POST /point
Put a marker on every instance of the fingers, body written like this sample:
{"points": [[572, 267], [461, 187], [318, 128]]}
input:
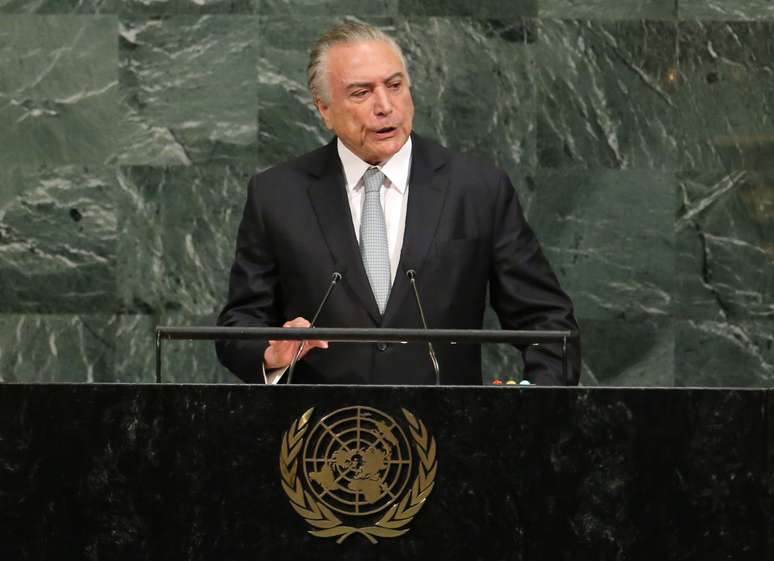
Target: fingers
{"points": [[279, 353], [313, 344], [308, 345], [300, 322], [297, 322]]}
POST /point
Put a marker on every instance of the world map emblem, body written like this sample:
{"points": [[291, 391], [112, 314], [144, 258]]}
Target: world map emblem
{"points": [[358, 471]]}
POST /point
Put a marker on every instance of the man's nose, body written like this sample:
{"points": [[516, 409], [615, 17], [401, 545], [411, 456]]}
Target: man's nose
{"points": [[382, 103]]}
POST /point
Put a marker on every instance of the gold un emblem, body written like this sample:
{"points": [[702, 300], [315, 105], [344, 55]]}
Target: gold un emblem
{"points": [[355, 472]]}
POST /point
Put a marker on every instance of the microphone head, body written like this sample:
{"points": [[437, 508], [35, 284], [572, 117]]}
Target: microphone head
{"points": [[411, 274], [336, 277]]}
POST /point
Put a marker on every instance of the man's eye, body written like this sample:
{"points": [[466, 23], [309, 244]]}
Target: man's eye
{"points": [[359, 93], [395, 86]]}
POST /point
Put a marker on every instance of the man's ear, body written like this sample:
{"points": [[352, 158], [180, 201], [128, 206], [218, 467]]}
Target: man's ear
{"points": [[325, 113]]}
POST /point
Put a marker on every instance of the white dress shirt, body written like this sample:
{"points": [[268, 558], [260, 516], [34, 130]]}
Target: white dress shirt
{"points": [[393, 196]]}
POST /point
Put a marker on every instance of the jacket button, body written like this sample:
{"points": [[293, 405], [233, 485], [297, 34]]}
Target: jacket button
{"points": [[381, 347]]}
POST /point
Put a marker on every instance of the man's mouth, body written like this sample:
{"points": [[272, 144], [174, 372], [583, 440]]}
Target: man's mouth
{"points": [[385, 132]]}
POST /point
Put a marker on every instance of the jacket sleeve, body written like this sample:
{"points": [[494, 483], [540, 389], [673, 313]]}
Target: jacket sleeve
{"points": [[252, 291], [525, 292]]}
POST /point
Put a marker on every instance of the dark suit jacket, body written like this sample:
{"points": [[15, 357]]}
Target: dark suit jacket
{"points": [[465, 231]]}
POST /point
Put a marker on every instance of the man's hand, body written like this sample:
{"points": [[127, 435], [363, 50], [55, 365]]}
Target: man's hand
{"points": [[279, 353]]}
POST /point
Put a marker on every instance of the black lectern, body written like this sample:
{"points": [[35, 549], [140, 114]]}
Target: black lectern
{"points": [[187, 472]]}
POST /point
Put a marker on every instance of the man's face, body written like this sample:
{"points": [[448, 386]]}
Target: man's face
{"points": [[370, 107]]}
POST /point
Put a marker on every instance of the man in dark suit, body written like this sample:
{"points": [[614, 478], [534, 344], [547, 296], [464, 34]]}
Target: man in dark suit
{"points": [[376, 201]]}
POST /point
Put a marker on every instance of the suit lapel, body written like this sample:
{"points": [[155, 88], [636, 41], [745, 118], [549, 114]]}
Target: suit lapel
{"points": [[328, 195], [427, 192]]}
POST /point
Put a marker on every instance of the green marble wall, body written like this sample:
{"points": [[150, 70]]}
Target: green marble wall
{"points": [[639, 135]]}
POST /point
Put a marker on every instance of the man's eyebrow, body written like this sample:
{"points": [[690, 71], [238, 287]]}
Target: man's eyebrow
{"points": [[396, 75], [368, 84]]}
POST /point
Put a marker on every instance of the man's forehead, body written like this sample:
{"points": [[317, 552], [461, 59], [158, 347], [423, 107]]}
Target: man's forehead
{"points": [[365, 60]]}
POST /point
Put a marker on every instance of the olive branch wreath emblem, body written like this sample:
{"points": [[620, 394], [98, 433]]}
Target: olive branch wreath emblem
{"points": [[393, 522]]}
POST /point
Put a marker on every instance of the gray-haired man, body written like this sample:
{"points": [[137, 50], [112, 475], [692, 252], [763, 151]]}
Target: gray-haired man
{"points": [[376, 201]]}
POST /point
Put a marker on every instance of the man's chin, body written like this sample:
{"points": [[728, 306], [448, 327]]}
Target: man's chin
{"points": [[383, 150]]}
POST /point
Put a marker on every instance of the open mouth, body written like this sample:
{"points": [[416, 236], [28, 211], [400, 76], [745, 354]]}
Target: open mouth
{"points": [[386, 131]]}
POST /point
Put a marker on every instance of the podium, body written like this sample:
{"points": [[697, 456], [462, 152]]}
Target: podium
{"points": [[193, 472]]}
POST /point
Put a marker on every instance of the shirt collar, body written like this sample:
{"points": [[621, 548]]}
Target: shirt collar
{"points": [[396, 169]]}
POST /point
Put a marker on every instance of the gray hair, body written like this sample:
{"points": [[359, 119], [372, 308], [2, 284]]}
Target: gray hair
{"points": [[347, 32]]}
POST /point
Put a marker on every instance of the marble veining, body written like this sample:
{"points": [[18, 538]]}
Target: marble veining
{"points": [[724, 10], [742, 353], [725, 228], [615, 262], [608, 9], [725, 116], [640, 145], [606, 94], [58, 89], [481, 9], [56, 348], [57, 239], [173, 74], [177, 236], [307, 8], [58, 6]]}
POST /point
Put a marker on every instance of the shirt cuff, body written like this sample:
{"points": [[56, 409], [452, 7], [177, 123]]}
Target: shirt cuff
{"points": [[272, 376]]}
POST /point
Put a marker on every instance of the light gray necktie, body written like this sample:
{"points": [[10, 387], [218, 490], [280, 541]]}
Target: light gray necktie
{"points": [[373, 238]]}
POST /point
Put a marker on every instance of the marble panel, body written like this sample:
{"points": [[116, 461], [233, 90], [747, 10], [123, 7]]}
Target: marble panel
{"points": [[725, 10], [200, 217], [183, 362], [141, 264], [328, 7], [159, 7], [58, 6], [605, 94], [608, 9], [189, 88], [192, 362], [725, 110], [482, 9], [725, 245], [135, 349], [288, 124], [178, 234], [724, 354], [628, 353], [609, 237], [57, 239], [473, 83], [446, 56], [58, 89], [56, 348]]}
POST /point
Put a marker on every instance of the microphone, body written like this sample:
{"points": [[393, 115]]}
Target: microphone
{"points": [[412, 276], [335, 278]]}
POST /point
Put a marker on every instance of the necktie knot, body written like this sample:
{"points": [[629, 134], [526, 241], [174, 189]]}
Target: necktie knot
{"points": [[372, 179]]}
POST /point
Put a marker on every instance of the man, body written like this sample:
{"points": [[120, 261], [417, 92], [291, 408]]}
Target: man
{"points": [[375, 202]]}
